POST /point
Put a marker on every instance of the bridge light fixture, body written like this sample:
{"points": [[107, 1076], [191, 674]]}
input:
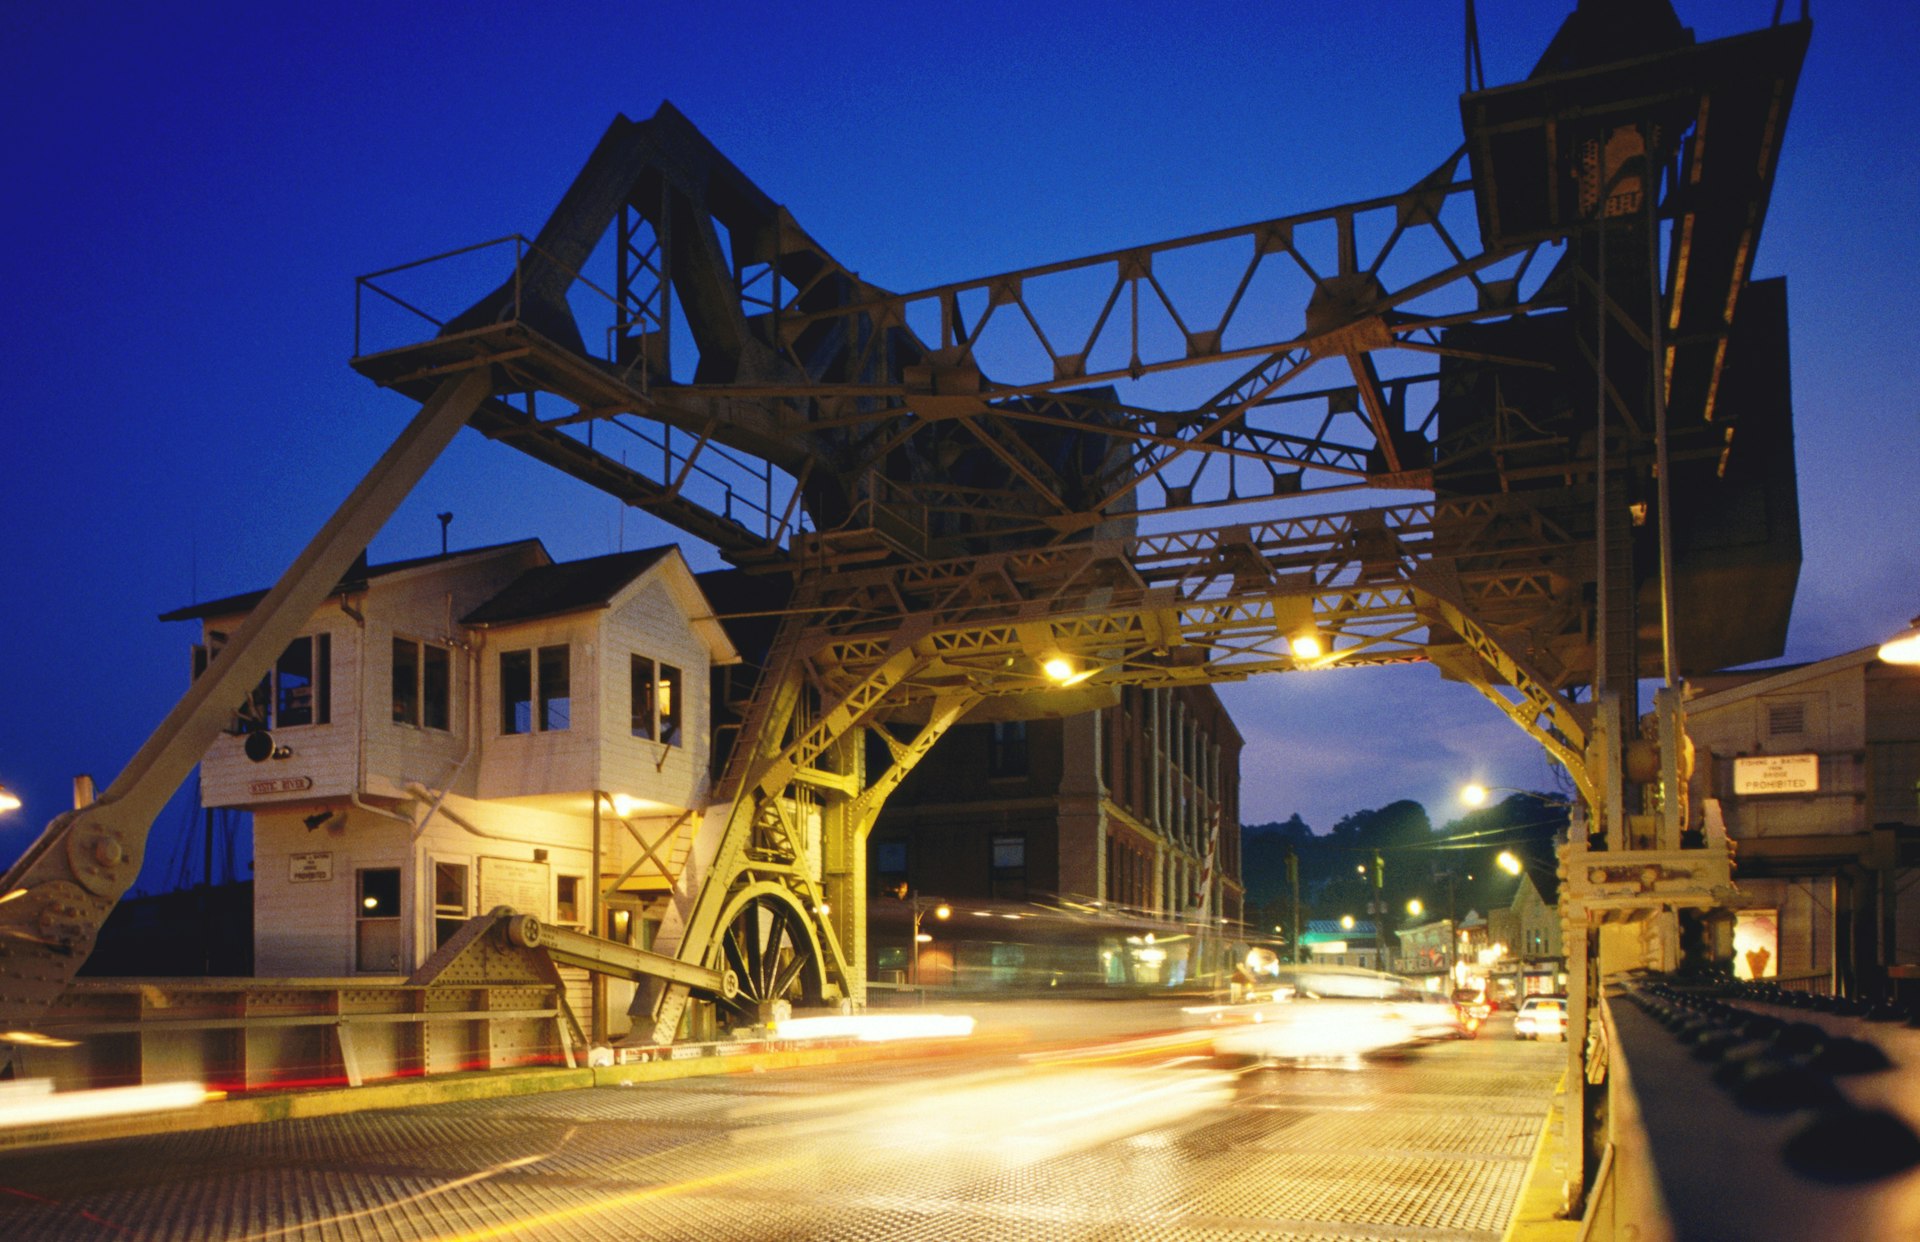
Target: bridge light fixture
{"points": [[1904, 647], [1306, 644]]}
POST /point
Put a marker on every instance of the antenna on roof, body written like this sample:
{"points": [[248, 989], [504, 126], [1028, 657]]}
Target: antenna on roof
{"points": [[446, 519]]}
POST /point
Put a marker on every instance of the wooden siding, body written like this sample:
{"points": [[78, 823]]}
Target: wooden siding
{"points": [[306, 927], [423, 603], [325, 755], [517, 765], [469, 831], [649, 623], [1832, 708]]}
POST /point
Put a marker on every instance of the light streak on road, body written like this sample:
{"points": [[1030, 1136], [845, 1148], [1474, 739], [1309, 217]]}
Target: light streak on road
{"points": [[34, 1102], [873, 1028], [389, 1208], [1021, 1116], [611, 1203]]}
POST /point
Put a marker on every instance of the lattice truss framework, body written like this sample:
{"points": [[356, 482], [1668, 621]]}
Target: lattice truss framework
{"points": [[965, 481]]}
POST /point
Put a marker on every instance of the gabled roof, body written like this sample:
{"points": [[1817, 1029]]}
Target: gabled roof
{"points": [[1754, 682], [355, 580], [573, 586], [603, 582], [1545, 878]]}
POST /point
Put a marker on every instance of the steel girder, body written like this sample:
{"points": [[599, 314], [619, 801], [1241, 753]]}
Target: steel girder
{"points": [[955, 476]]}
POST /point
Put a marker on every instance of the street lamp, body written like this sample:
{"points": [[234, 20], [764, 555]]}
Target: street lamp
{"points": [[1415, 908], [940, 910], [1473, 793], [1508, 862], [1346, 922], [9, 800], [1904, 647]]}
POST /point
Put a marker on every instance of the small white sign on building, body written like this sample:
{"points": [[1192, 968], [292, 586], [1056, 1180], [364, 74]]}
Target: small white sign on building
{"points": [[1776, 774], [523, 885], [308, 868]]}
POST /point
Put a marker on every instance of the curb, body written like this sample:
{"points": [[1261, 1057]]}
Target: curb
{"points": [[1536, 1212]]}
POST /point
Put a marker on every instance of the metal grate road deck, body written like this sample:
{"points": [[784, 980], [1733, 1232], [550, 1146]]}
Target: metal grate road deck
{"points": [[1426, 1147]]}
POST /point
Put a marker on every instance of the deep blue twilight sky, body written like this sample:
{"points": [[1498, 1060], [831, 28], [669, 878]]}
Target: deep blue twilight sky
{"points": [[189, 190]]}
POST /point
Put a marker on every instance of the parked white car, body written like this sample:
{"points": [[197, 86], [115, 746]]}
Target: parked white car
{"points": [[1541, 1017]]}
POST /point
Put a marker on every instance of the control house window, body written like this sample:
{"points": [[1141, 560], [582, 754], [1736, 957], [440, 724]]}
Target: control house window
{"points": [[656, 701], [297, 691], [527, 704], [422, 684]]}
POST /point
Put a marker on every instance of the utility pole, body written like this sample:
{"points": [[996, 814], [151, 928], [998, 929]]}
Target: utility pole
{"points": [[1380, 908], [1293, 879]]}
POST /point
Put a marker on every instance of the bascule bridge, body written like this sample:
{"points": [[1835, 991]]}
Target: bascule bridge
{"points": [[1526, 419]]}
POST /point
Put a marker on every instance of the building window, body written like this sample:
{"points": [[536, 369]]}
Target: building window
{"points": [[556, 688], [643, 696], [518, 690], [406, 681], [449, 900], [1009, 859], [1786, 719], [298, 690], [436, 687], [566, 901], [656, 701], [299, 676], [667, 697], [422, 684], [1007, 748], [888, 871], [377, 936]]}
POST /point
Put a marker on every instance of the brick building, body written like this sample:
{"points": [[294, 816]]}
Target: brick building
{"points": [[1136, 805]]}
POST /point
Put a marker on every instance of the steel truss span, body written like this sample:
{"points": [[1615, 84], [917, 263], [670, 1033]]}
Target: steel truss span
{"points": [[1123, 465]]}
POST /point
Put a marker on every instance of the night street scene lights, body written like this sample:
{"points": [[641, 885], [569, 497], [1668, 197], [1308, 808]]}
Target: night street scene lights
{"points": [[1904, 647], [9, 800], [1475, 794], [941, 911], [1062, 672], [1416, 908], [1508, 862]]}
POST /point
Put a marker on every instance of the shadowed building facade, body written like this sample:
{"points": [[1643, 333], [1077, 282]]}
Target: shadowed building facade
{"points": [[1135, 805]]}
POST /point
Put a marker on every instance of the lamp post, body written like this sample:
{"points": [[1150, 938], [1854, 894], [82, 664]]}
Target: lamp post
{"points": [[1904, 647], [940, 910], [1474, 794]]}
